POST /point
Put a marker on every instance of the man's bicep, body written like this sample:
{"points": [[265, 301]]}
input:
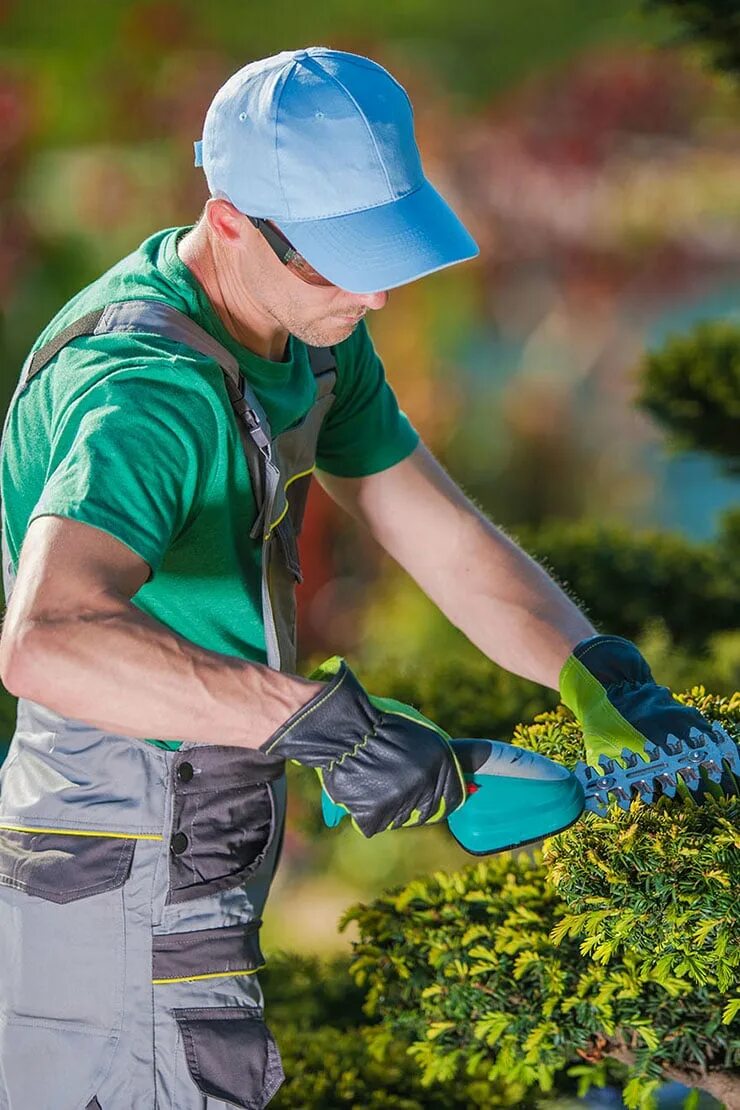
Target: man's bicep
{"points": [[66, 567]]}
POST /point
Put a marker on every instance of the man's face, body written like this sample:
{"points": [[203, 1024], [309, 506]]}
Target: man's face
{"points": [[319, 315]]}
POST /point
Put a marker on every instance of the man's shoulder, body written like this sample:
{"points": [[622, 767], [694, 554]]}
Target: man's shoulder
{"points": [[124, 348], [138, 275]]}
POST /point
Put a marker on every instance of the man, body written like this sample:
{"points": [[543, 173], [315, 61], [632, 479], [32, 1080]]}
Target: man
{"points": [[155, 462]]}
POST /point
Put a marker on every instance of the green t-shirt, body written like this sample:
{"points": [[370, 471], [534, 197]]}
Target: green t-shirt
{"points": [[136, 435]]}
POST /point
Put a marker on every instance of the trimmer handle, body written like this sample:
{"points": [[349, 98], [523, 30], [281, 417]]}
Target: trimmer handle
{"points": [[513, 797], [333, 813]]}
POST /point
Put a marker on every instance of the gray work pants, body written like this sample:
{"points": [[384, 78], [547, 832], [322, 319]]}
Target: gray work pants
{"points": [[132, 884]]}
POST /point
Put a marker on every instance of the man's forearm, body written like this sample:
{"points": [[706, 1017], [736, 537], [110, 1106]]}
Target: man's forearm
{"points": [[122, 671], [506, 604], [503, 601]]}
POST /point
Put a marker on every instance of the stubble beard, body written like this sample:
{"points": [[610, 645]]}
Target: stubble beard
{"points": [[323, 332]]}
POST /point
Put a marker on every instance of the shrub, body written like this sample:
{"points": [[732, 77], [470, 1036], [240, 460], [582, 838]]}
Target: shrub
{"points": [[327, 1069], [692, 387], [711, 23], [621, 942], [315, 1011], [625, 580]]}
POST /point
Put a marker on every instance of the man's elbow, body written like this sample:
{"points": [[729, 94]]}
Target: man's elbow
{"points": [[21, 661]]}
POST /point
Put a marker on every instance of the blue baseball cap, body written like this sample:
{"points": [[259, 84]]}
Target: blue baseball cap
{"points": [[322, 143]]}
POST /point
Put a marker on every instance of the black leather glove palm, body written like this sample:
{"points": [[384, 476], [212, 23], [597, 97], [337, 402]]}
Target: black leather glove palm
{"points": [[383, 761]]}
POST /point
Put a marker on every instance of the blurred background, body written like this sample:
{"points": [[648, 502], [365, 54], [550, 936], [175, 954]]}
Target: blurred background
{"points": [[594, 155]]}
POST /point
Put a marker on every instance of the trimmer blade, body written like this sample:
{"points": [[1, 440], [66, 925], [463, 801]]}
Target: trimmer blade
{"points": [[658, 771]]}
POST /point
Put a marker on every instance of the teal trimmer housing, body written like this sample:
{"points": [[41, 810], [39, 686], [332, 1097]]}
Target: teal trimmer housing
{"points": [[516, 796], [513, 797]]}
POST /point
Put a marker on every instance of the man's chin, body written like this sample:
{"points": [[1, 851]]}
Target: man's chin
{"points": [[347, 324], [336, 329], [332, 329]]}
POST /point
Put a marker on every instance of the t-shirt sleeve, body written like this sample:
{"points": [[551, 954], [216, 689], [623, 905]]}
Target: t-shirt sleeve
{"points": [[133, 456], [364, 431]]}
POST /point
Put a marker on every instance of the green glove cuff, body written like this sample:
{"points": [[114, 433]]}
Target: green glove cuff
{"points": [[605, 730], [330, 668], [382, 761]]}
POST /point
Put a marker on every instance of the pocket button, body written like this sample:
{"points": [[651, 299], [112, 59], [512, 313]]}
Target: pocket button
{"points": [[179, 843], [185, 772]]}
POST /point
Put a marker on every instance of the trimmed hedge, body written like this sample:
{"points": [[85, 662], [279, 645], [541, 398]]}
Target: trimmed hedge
{"points": [[625, 579], [315, 1011], [692, 386], [622, 942]]}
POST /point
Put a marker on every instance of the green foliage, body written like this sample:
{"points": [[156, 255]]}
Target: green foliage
{"points": [[715, 24], [692, 387], [728, 539], [328, 1070], [7, 716], [624, 939], [624, 579], [659, 885], [314, 1010], [305, 992], [468, 696], [673, 666]]}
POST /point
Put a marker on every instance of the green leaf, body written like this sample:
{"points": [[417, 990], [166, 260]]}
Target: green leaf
{"points": [[491, 1028], [647, 1032], [437, 1028]]}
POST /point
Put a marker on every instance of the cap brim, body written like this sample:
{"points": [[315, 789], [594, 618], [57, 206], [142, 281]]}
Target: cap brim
{"points": [[383, 247]]}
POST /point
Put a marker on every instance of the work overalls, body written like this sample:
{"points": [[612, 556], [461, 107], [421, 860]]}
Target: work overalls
{"points": [[133, 878]]}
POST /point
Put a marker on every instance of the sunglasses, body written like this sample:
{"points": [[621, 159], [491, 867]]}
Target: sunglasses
{"points": [[287, 253]]}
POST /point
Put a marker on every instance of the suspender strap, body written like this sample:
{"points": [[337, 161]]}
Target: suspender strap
{"points": [[86, 325], [161, 318]]}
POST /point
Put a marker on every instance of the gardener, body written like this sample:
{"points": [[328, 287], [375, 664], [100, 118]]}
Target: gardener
{"points": [[155, 464]]}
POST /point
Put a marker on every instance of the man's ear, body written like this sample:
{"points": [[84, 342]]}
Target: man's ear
{"points": [[224, 220]]}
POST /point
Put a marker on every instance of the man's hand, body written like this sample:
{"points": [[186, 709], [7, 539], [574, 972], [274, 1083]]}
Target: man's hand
{"points": [[384, 762], [608, 685]]}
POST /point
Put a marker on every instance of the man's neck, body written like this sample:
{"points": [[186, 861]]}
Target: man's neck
{"points": [[258, 335]]}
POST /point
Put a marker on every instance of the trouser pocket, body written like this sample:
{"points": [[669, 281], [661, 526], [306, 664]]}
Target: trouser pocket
{"points": [[224, 819], [231, 1054], [210, 1036], [62, 955]]}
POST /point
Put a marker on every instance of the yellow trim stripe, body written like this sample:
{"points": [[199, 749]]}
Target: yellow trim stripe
{"points": [[209, 975], [75, 832], [303, 474]]}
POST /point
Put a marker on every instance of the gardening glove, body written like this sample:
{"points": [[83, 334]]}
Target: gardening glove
{"points": [[608, 685], [379, 759]]}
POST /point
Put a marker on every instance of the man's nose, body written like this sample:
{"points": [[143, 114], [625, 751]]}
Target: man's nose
{"points": [[375, 300]]}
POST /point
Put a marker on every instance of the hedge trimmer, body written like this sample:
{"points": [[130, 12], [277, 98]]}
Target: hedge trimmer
{"points": [[517, 796]]}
